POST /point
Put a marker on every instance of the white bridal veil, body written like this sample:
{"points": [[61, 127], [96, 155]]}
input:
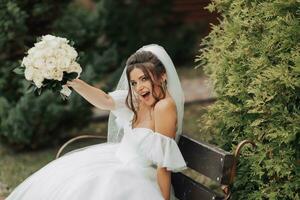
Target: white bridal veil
{"points": [[115, 133]]}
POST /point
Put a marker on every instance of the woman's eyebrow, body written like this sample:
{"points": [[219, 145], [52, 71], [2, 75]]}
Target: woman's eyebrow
{"points": [[141, 76]]}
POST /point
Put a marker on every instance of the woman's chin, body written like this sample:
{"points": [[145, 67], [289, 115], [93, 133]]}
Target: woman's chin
{"points": [[148, 101]]}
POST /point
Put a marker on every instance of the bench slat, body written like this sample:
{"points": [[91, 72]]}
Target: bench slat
{"points": [[187, 189], [207, 159]]}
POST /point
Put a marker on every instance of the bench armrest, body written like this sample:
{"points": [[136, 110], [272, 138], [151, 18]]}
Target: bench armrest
{"points": [[75, 139]]}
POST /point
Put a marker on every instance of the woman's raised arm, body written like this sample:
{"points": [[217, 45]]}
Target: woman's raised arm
{"points": [[95, 96]]}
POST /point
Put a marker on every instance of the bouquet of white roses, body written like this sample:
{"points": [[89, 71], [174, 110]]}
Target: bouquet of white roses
{"points": [[50, 64]]}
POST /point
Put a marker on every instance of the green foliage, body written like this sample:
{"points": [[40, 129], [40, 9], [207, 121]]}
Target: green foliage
{"points": [[113, 30], [49, 120], [131, 24], [253, 59], [26, 120]]}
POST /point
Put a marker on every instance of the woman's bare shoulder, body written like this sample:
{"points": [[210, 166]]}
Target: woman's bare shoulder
{"points": [[165, 117], [166, 104]]}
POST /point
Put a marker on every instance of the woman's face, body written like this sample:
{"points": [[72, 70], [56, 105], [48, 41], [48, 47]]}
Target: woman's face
{"points": [[141, 86]]}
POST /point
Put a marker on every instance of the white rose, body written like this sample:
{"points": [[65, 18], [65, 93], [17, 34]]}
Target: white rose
{"points": [[48, 37], [70, 52], [49, 52], [57, 74], [37, 54], [29, 72], [26, 62], [38, 63], [50, 63], [38, 80], [75, 67], [32, 50], [63, 64], [46, 74], [63, 40], [53, 44], [40, 45]]}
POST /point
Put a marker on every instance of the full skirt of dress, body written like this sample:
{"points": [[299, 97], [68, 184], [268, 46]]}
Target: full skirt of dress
{"points": [[91, 173], [108, 171]]}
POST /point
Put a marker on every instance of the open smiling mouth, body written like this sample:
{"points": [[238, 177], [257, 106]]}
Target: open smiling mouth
{"points": [[146, 95]]}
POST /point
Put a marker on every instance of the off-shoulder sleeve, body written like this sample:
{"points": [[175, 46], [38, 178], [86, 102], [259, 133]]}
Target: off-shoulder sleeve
{"points": [[163, 151], [121, 111]]}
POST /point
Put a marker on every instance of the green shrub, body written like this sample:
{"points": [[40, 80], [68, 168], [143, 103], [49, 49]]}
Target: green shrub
{"points": [[26, 120], [130, 24], [253, 59]]}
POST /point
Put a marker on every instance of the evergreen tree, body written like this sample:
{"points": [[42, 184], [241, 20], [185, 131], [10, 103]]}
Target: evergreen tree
{"points": [[253, 60]]}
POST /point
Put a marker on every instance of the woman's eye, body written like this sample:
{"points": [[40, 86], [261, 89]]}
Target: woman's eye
{"points": [[144, 78], [133, 84]]}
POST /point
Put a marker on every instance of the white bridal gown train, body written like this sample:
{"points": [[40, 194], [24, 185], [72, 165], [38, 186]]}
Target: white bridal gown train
{"points": [[109, 171]]}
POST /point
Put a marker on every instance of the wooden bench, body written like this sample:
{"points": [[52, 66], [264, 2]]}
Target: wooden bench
{"points": [[205, 159], [210, 161]]}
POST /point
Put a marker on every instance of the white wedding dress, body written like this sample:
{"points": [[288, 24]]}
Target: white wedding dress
{"points": [[109, 171]]}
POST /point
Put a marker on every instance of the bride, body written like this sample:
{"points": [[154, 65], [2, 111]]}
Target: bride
{"points": [[144, 124]]}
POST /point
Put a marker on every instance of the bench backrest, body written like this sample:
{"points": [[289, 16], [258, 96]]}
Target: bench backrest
{"points": [[209, 161]]}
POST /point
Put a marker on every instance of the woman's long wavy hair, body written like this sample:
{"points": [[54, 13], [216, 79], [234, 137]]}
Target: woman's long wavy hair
{"points": [[148, 63]]}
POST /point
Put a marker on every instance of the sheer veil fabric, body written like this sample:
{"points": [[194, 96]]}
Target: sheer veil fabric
{"points": [[115, 132]]}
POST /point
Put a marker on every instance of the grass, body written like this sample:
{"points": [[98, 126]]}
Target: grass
{"points": [[15, 167]]}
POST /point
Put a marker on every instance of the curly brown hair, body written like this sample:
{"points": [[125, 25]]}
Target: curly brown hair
{"points": [[148, 63]]}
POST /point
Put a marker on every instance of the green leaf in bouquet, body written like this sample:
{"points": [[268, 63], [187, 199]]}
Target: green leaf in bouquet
{"points": [[56, 87], [38, 39], [53, 85], [30, 88], [46, 84], [64, 81], [38, 91], [70, 76], [19, 70], [71, 43]]}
